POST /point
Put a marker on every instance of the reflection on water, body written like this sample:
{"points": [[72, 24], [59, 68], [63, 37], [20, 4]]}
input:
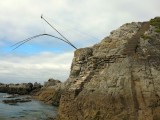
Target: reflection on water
{"points": [[34, 110]]}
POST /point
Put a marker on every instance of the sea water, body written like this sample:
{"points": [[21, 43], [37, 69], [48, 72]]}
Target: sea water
{"points": [[34, 110]]}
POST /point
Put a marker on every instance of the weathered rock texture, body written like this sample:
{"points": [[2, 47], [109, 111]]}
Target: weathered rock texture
{"points": [[117, 79], [50, 93]]}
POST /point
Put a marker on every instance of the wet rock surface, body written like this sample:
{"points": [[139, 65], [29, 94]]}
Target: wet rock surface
{"points": [[117, 79], [18, 100]]}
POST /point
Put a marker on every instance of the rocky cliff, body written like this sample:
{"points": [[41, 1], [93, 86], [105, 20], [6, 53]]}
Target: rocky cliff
{"points": [[116, 79]]}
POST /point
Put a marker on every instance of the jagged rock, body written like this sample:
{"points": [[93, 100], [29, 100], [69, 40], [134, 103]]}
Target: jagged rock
{"points": [[51, 82], [36, 85], [50, 93], [117, 79]]}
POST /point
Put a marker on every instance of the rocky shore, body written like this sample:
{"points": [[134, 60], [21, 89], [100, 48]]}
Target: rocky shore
{"points": [[116, 79], [50, 93]]}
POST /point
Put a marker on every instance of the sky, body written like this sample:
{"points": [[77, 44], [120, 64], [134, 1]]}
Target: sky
{"points": [[84, 23]]}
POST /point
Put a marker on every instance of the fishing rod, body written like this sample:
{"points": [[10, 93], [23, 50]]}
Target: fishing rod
{"points": [[58, 32], [28, 39], [18, 44]]}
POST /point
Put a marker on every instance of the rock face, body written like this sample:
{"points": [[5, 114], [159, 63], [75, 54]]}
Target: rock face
{"points": [[50, 93], [117, 79]]}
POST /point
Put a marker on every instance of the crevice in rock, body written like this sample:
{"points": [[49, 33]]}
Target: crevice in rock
{"points": [[133, 90], [132, 44]]}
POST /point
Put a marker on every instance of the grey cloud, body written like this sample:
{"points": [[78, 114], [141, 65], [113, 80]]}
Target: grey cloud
{"points": [[35, 68], [20, 19]]}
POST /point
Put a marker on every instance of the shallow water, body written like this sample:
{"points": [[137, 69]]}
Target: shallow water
{"points": [[33, 110]]}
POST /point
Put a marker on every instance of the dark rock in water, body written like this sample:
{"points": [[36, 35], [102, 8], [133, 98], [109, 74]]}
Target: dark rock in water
{"points": [[23, 107], [116, 79], [14, 101], [24, 100]]}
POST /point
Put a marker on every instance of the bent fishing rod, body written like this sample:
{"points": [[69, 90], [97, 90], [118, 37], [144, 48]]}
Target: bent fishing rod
{"points": [[18, 44]]}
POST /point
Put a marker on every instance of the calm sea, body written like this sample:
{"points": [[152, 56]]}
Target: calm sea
{"points": [[33, 110]]}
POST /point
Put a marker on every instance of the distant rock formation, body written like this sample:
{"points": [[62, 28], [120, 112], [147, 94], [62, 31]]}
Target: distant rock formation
{"points": [[51, 82], [21, 89], [117, 79], [49, 93]]}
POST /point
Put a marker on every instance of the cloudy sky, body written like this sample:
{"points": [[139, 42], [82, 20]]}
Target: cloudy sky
{"points": [[83, 22]]}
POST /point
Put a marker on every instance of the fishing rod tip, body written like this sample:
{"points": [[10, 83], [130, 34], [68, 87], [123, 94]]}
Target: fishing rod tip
{"points": [[41, 15]]}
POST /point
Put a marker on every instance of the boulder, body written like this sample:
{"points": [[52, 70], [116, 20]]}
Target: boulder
{"points": [[52, 82]]}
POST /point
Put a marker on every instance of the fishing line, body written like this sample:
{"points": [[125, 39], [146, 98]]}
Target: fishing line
{"points": [[28, 39], [76, 30], [57, 31], [18, 44]]}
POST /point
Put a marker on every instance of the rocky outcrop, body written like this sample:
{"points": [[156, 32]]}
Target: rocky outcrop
{"points": [[22, 89], [52, 82], [50, 93], [117, 79]]}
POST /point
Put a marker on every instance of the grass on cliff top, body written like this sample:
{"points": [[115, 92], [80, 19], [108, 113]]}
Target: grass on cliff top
{"points": [[156, 23], [145, 37]]}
